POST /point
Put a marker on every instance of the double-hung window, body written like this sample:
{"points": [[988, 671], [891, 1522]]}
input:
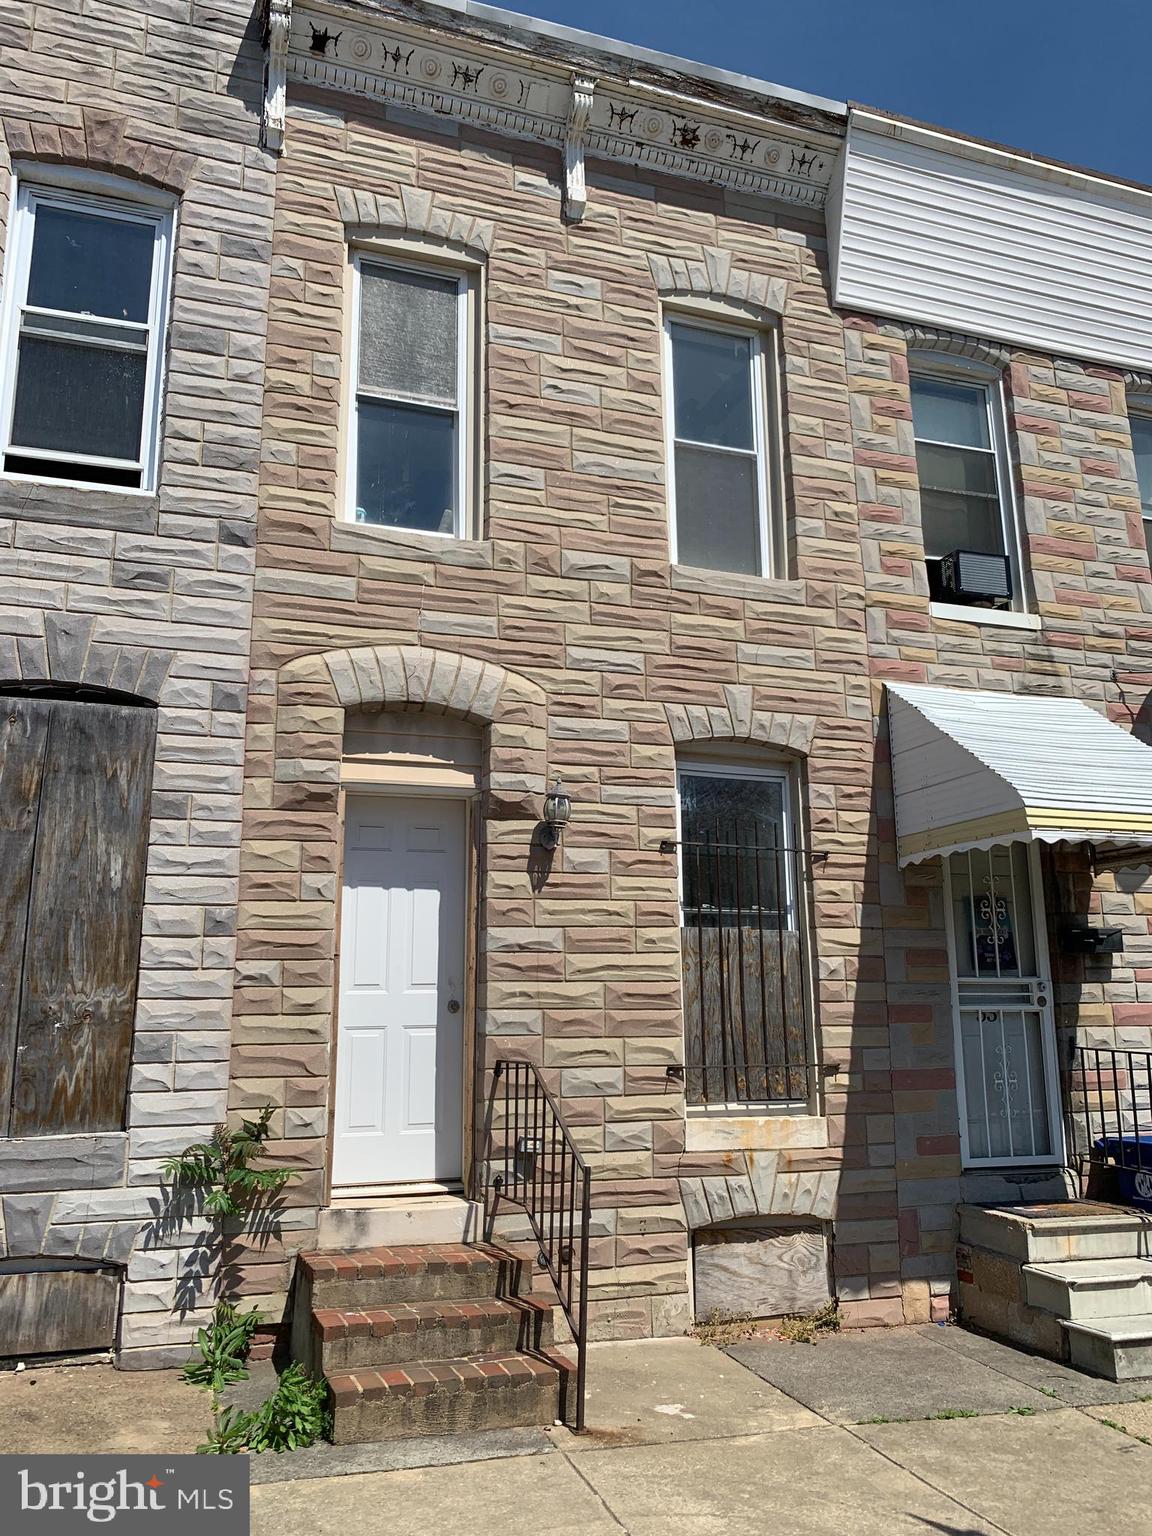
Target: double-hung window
{"points": [[410, 429], [965, 495], [720, 487], [87, 295], [1142, 447]]}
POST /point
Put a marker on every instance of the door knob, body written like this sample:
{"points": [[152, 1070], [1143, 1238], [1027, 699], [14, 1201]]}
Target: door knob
{"points": [[454, 1005]]}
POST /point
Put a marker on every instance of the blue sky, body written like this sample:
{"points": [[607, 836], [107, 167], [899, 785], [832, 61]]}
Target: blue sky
{"points": [[1065, 78]]}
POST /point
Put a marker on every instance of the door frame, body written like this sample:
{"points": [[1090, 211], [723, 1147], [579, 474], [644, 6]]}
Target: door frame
{"points": [[416, 790], [1056, 1157]]}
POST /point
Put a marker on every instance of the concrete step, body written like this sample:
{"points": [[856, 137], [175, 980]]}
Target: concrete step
{"points": [[353, 1279], [398, 1221], [1085, 1289], [1058, 1233], [428, 1330], [503, 1390], [1118, 1348]]}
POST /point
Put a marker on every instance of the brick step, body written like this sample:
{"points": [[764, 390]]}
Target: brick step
{"points": [[501, 1390], [344, 1340], [354, 1279]]}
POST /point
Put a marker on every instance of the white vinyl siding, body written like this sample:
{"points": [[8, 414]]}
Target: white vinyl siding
{"points": [[934, 229], [86, 299], [409, 459]]}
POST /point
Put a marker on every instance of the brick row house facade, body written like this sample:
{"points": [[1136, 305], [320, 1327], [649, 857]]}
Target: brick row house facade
{"points": [[615, 455]]}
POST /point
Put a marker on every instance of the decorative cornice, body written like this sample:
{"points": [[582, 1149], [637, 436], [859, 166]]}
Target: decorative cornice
{"points": [[512, 92], [575, 186], [716, 278], [277, 29], [414, 213]]}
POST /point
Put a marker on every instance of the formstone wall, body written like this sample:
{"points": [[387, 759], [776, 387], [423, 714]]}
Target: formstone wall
{"points": [[152, 594]]}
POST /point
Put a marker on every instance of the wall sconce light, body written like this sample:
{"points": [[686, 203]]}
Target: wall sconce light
{"points": [[557, 814]]}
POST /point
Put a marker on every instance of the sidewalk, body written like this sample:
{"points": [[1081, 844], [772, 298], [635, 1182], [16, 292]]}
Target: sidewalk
{"points": [[879, 1433]]}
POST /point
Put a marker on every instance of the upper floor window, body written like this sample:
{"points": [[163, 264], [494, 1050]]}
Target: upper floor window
{"points": [[1142, 447], [85, 311], [965, 496], [410, 460], [720, 486]]}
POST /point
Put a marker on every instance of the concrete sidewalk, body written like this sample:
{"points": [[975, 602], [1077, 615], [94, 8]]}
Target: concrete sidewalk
{"points": [[878, 1433], [790, 1439]]}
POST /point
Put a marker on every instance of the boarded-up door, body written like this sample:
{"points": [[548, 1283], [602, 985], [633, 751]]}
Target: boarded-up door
{"points": [[75, 780]]}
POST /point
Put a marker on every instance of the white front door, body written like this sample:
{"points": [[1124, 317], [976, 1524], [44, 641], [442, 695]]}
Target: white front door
{"points": [[399, 1056], [1006, 1048]]}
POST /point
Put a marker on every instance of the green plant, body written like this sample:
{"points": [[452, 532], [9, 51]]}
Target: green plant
{"points": [[296, 1415], [228, 1435], [955, 1413], [720, 1328], [1023, 1412], [222, 1167], [1048, 1391], [223, 1347], [806, 1327]]}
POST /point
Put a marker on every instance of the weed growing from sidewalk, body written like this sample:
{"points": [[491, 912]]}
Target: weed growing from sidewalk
{"points": [[807, 1327], [296, 1415], [223, 1347], [222, 1167], [720, 1328], [955, 1413], [1048, 1391], [1023, 1412]]}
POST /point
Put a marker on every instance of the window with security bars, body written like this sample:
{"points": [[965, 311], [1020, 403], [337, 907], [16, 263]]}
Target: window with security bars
{"points": [[409, 460], [87, 294], [745, 1013]]}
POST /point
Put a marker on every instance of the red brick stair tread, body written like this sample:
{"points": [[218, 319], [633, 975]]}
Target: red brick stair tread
{"points": [[410, 1316], [419, 1258], [419, 1378]]}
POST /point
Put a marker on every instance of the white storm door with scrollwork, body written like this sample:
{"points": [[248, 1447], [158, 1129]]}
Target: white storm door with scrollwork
{"points": [[1006, 1059]]}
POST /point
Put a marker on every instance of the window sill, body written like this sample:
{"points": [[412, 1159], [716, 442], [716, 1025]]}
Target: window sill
{"points": [[699, 578], [445, 548], [774, 1128], [994, 617]]}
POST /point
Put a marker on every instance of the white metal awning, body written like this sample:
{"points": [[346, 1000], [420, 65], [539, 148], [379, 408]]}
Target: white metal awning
{"points": [[971, 769]]}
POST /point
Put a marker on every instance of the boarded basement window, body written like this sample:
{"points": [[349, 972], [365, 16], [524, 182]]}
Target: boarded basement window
{"points": [[75, 780], [761, 1269]]}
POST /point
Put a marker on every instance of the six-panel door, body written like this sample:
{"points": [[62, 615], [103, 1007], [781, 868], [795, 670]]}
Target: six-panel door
{"points": [[399, 1059]]}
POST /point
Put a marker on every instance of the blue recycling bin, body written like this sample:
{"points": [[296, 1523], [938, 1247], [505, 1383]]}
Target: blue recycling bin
{"points": [[1131, 1160]]}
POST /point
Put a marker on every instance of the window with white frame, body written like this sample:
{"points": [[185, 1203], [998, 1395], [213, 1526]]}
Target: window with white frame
{"points": [[1141, 425], [966, 504], [741, 873], [720, 484], [84, 323], [410, 425]]}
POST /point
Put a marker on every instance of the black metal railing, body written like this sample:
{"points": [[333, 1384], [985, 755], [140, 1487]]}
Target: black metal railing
{"points": [[746, 1029], [540, 1169], [1109, 1106]]}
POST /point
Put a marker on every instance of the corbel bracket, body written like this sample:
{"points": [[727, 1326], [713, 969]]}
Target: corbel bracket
{"points": [[575, 188], [277, 27]]}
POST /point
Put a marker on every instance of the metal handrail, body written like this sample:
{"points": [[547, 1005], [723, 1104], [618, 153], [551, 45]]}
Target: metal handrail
{"points": [[1110, 1106], [544, 1173]]}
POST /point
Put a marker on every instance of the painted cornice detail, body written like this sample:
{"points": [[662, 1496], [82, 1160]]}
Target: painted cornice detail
{"points": [[512, 92], [277, 29]]}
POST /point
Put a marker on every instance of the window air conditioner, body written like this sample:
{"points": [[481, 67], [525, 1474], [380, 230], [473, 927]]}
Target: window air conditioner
{"points": [[968, 577]]}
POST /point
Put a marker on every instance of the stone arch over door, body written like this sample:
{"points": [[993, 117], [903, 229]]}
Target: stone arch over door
{"points": [[316, 691]]}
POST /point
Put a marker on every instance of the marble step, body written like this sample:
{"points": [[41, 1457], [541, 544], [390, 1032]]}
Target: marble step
{"points": [[1085, 1289], [1118, 1348]]}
